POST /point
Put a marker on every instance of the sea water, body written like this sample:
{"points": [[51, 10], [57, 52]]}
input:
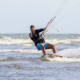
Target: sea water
{"points": [[20, 59]]}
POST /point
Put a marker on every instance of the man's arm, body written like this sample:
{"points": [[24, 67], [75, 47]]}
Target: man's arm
{"points": [[45, 28], [40, 30]]}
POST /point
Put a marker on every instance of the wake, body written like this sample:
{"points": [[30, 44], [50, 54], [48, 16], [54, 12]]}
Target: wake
{"points": [[69, 55]]}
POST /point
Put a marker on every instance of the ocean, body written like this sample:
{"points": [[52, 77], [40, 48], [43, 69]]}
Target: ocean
{"points": [[20, 59]]}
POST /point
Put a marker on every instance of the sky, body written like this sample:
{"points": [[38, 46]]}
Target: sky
{"points": [[16, 16]]}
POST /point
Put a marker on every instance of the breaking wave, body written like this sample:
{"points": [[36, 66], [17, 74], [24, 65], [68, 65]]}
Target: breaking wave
{"points": [[9, 40]]}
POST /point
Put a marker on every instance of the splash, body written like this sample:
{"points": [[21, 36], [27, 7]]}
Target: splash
{"points": [[64, 59]]}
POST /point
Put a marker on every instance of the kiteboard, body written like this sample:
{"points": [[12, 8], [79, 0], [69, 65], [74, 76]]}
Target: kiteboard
{"points": [[51, 56]]}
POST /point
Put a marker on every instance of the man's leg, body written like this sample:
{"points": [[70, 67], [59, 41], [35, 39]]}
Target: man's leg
{"points": [[43, 49], [50, 46]]}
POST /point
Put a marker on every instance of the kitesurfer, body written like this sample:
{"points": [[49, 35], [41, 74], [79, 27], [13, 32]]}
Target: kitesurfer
{"points": [[39, 40]]}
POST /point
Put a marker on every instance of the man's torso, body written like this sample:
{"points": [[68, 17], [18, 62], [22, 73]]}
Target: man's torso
{"points": [[36, 38]]}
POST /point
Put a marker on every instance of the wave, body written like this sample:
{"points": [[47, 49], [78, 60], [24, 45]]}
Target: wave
{"points": [[65, 52], [66, 41], [64, 59], [56, 59], [11, 58], [9, 40], [69, 55], [28, 45], [23, 50], [69, 52]]}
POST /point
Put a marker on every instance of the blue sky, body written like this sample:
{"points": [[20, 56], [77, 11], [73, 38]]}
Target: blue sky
{"points": [[16, 16]]}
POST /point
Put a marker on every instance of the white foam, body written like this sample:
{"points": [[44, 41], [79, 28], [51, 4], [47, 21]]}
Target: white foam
{"points": [[23, 50], [28, 45], [66, 41], [70, 55], [78, 38], [64, 59], [69, 52], [8, 40]]}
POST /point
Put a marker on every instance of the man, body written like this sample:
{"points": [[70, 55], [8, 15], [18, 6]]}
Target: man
{"points": [[39, 41]]}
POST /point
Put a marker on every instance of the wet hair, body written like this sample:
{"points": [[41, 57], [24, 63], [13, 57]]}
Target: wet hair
{"points": [[32, 26]]}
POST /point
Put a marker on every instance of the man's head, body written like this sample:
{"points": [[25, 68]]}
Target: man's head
{"points": [[32, 28]]}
